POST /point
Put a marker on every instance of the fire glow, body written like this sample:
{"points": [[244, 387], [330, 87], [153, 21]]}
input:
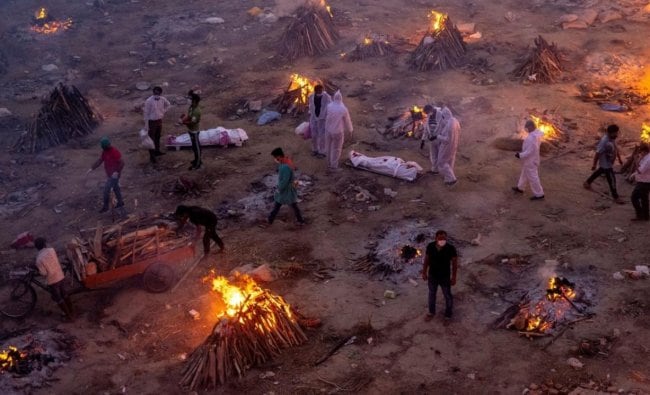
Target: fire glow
{"points": [[44, 23], [545, 313], [645, 133], [437, 20], [9, 359], [304, 84], [327, 7], [549, 130]]}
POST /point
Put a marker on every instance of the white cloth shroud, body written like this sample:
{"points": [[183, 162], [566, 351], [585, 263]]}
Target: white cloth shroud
{"points": [[387, 165], [217, 136]]}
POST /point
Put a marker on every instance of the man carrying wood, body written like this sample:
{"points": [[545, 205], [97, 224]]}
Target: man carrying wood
{"points": [[48, 265], [113, 165], [605, 157], [440, 268], [200, 216], [154, 109]]}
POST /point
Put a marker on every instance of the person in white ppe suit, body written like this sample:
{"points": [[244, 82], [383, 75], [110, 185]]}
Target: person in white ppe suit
{"points": [[449, 136], [337, 122], [318, 102], [430, 134], [529, 156]]}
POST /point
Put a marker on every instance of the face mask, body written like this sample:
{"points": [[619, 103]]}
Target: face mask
{"points": [[441, 243]]}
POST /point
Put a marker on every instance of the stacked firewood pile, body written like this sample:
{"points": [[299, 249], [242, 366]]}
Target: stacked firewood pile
{"points": [[255, 327], [371, 47], [294, 99], [123, 243], [64, 115], [544, 64], [604, 94], [312, 32], [441, 48], [409, 123]]}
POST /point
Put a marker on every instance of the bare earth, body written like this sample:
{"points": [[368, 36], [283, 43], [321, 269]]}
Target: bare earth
{"points": [[110, 49]]}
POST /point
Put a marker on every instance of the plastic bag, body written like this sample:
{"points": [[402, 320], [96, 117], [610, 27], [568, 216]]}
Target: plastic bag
{"points": [[145, 141], [304, 130], [268, 116]]}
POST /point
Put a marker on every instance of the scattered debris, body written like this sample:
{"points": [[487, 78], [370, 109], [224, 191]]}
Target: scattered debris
{"points": [[575, 363], [603, 94]]}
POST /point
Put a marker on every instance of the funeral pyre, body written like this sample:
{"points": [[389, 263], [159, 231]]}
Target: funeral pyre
{"points": [[544, 63], [295, 98], [372, 46], [253, 326], [540, 312], [441, 48], [410, 123], [29, 360], [64, 115], [396, 250], [632, 162], [124, 243], [554, 127], [44, 23], [613, 99], [312, 32]]}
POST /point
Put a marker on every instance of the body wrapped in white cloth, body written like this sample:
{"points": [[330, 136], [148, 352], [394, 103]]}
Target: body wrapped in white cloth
{"points": [[217, 136], [386, 165]]}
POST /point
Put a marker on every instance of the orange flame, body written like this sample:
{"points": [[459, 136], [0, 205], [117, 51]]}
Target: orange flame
{"points": [[549, 130], [416, 109], [327, 7], [645, 133], [9, 358], [41, 13], [437, 20], [304, 84], [367, 41]]}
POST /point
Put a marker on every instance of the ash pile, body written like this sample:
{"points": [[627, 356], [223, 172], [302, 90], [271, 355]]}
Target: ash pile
{"points": [[397, 251], [27, 362]]}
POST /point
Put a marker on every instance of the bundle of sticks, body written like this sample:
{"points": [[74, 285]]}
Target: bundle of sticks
{"points": [[408, 124], [544, 64], [123, 243], [439, 50], [312, 32], [294, 99], [64, 115], [602, 94], [259, 331], [371, 47], [370, 264]]}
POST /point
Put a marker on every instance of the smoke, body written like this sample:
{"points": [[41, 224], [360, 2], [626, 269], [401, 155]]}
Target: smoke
{"points": [[288, 7], [548, 269]]}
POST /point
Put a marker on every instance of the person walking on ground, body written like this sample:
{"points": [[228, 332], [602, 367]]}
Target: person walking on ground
{"points": [[154, 110], [337, 122], [200, 216], [113, 165], [192, 120], [606, 155], [318, 102], [529, 156], [439, 270], [48, 265], [449, 136], [642, 187], [286, 192], [430, 134]]}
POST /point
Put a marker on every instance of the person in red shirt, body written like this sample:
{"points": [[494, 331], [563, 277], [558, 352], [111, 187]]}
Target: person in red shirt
{"points": [[113, 165]]}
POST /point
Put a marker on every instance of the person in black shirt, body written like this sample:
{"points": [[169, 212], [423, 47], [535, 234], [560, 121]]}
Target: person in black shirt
{"points": [[200, 217], [440, 267]]}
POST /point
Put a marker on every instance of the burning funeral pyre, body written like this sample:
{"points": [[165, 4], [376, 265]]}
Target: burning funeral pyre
{"points": [[398, 249], [441, 48], [312, 32], [253, 327], [295, 98], [544, 64], [409, 123], [124, 243], [539, 313], [64, 115], [606, 96], [29, 360], [44, 23], [372, 46]]}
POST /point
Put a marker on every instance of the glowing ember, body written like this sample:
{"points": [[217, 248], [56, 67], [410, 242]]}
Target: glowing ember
{"points": [[437, 20], [367, 41], [548, 311], [645, 133], [304, 84], [45, 24], [41, 13], [327, 7], [9, 359], [409, 252], [549, 130]]}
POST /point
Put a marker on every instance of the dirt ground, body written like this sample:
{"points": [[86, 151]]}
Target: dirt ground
{"points": [[115, 44]]}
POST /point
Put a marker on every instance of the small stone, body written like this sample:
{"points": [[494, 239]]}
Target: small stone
{"points": [[588, 16], [609, 15], [553, 391], [214, 20], [471, 376], [255, 105], [616, 332], [618, 276], [533, 386], [4, 112], [575, 363], [142, 86], [389, 294], [568, 18], [266, 375], [368, 84], [49, 67]]}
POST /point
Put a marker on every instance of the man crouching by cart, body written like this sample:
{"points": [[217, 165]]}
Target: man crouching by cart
{"points": [[200, 216], [48, 266]]}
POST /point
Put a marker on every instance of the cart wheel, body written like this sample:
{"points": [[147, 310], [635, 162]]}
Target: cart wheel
{"points": [[17, 298], [158, 277]]}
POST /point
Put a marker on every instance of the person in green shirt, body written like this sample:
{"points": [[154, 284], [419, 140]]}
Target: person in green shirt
{"points": [[286, 193], [192, 120]]}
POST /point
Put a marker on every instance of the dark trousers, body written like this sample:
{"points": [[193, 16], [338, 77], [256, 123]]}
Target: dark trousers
{"points": [[276, 209], [114, 184], [611, 179], [446, 291], [640, 200], [211, 234], [155, 130], [196, 148], [57, 291]]}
